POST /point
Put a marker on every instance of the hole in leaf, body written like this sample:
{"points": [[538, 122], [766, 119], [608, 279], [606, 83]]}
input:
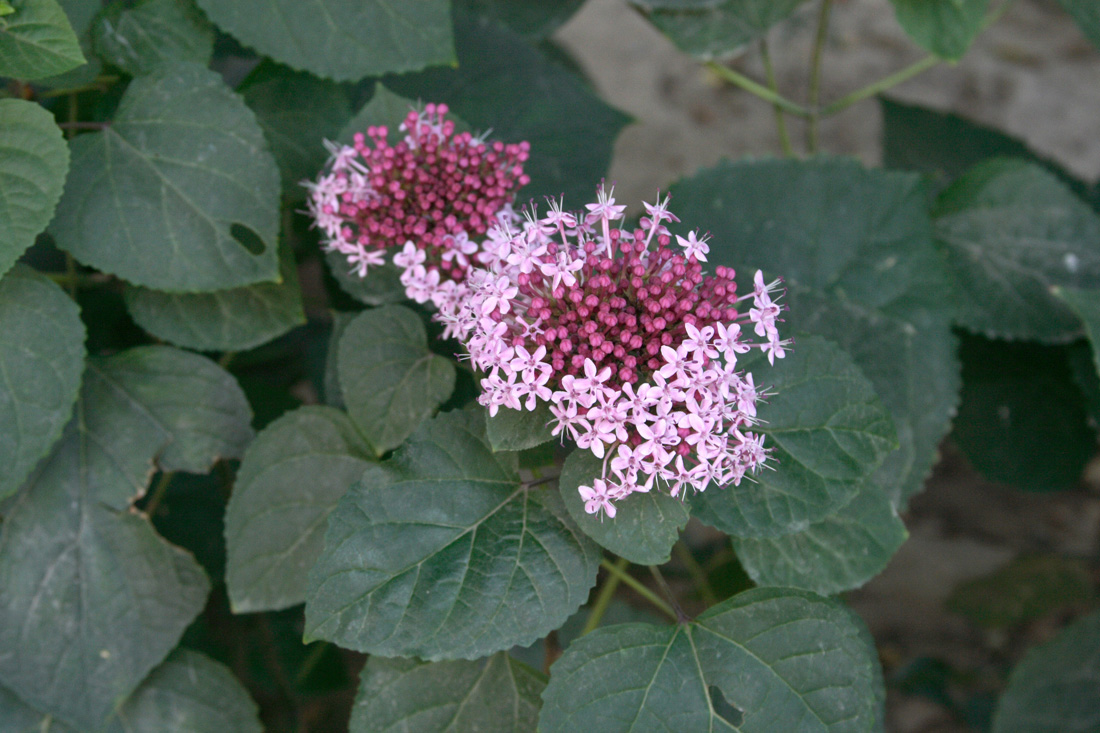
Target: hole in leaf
{"points": [[247, 238], [727, 712]]}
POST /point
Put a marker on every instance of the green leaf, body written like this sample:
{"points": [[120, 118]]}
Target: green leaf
{"points": [[41, 358], [942, 27], [1022, 420], [1010, 231], [441, 553], [856, 249], [344, 40], [1086, 305], [1053, 689], [534, 21], [1087, 15], [224, 320], [504, 84], [384, 108], [151, 35], [290, 480], [497, 693], [838, 553], [769, 659], [645, 527], [717, 28], [1028, 588], [828, 432], [296, 131], [520, 429], [36, 41], [142, 203], [331, 381], [33, 163], [389, 379], [80, 14]]}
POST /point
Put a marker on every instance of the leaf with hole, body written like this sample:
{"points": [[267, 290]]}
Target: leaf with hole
{"points": [[140, 202], [442, 553], [768, 659], [41, 358]]}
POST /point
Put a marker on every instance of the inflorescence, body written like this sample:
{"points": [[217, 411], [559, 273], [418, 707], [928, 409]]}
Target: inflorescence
{"points": [[632, 348], [433, 195]]}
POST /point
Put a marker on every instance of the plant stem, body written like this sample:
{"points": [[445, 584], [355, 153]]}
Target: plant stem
{"points": [[881, 85], [815, 73], [780, 119], [740, 80], [681, 617], [97, 85], [638, 587], [603, 600], [158, 493], [226, 358], [83, 125], [695, 570]]}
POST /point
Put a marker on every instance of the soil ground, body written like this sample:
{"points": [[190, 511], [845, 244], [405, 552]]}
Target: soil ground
{"points": [[1032, 75]]}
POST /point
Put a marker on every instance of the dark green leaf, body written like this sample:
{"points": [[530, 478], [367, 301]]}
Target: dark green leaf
{"points": [[535, 21], [140, 201], [1028, 588], [384, 109], [828, 432], [504, 84], [942, 27], [520, 429], [151, 35], [389, 379], [715, 28], [645, 527], [331, 384], [1086, 305], [344, 40], [296, 131], [840, 552], [289, 481], [224, 320], [497, 693], [766, 660], [41, 358], [1010, 231], [1053, 690], [1087, 15], [33, 163], [856, 248], [36, 41], [1022, 420], [441, 552]]}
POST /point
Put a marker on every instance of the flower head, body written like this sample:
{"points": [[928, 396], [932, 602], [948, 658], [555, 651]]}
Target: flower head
{"points": [[431, 196], [633, 348]]}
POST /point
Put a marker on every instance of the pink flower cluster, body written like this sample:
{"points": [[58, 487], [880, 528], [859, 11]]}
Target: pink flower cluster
{"points": [[631, 347], [433, 194]]}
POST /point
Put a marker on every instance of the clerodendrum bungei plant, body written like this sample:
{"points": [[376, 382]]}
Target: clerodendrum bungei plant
{"points": [[344, 285]]}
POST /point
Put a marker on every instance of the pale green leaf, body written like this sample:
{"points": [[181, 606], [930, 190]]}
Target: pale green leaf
{"points": [[645, 526], [769, 659], [344, 40], [41, 360], [942, 27], [290, 479], [493, 694], [142, 203], [441, 553], [33, 163], [520, 429], [389, 379], [715, 28], [143, 37], [36, 41]]}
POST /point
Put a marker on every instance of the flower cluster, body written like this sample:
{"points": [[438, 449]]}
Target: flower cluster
{"points": [[632, 348], [433, 194]]}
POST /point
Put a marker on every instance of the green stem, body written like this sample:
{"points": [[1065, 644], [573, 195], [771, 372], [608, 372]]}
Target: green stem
{"points": [[603, 600], [815, 73], [681, 617], [695, 570], [780, 119], [880, 86], [226, 359], [158, 493], [97, 85], [638, 587], [740, 80]]}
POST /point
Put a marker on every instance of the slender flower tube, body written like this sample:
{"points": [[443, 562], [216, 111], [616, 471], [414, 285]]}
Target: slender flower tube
{"points": [[633, 349]]}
